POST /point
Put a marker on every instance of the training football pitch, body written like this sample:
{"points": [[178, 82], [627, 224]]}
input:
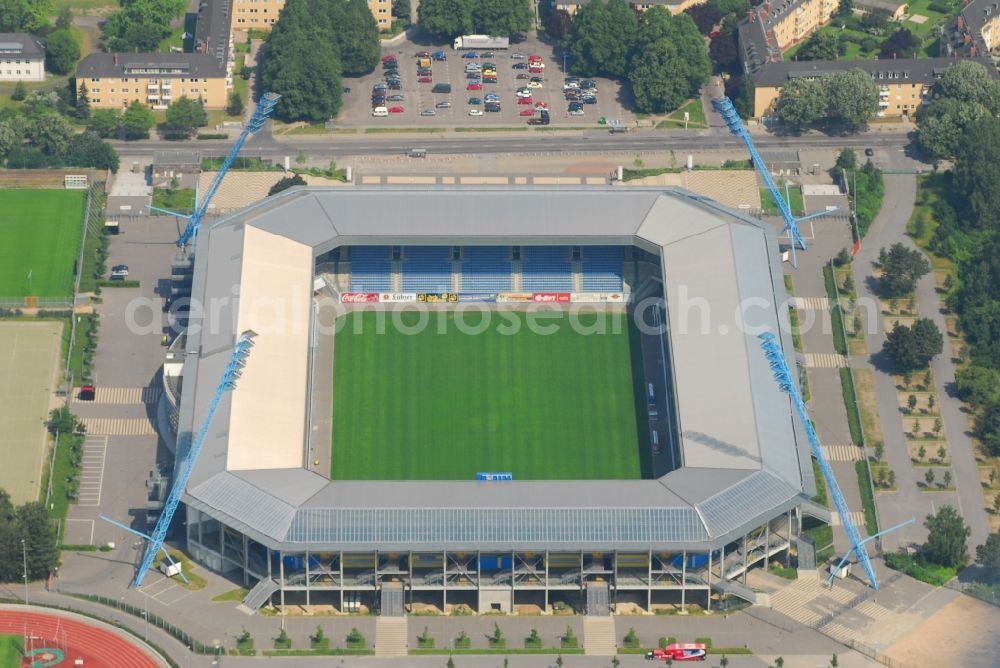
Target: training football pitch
{"points": [[39, 235], [433, 406]]}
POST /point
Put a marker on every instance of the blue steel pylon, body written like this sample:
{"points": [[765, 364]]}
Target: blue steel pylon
{"points": [[228, 382], [772, 349], [260, 115], [735, 124]]}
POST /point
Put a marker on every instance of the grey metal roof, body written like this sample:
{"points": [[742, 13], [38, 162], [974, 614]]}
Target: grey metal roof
{"points": [[899, 70], [743, 469], [21, 44], [149, 65]]}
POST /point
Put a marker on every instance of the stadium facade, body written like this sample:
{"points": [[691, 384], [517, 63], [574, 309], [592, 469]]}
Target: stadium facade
{"points": [[260, 510]]}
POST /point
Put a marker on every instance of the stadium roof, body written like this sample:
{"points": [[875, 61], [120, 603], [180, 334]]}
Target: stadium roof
{"points": [[742, 462]]}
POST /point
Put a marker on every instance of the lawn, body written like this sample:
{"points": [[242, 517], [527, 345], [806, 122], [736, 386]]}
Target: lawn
{"points": [[180, 200], [39, 237], [427, 406], [696, 116], [794, 199], [10, 651]]}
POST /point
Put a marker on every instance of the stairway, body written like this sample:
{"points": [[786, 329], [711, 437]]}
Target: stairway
{"points": [[391, 636], [599, 636]]}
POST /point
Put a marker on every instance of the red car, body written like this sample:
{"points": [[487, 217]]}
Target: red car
{"points": [[425, 80], [534, 58], [525, 100], [474, 86], [540, 105], [389, 59], [423, 54], [536, 70], [527, 112], [396, 110]]}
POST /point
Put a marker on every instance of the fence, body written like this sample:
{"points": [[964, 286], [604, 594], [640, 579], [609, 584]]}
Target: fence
{"points": [[986, 589]]}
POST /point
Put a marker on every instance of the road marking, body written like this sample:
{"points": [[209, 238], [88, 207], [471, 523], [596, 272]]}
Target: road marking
{"points": [[127, 395], [119, 426], [842, 453], [89, 542], [857, 518], [95, 451], [811, 303], [825, 360]]}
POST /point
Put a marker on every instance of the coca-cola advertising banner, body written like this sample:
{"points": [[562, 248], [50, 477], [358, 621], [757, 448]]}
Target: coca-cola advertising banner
{"points": [[359, 298]]}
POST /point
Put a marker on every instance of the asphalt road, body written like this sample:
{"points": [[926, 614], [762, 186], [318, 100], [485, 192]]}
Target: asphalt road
{"points": [[515, 142]]}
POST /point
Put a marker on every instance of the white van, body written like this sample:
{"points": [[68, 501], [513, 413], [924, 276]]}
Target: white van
{"points": [[380, 111]]}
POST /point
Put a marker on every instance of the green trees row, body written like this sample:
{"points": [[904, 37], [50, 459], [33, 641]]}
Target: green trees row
{"points": [[140, 25], [662, 56], [38, 136], [24, 15], [850, 97], [446, 19], [312, 45], [966, 93], [29, 523]]}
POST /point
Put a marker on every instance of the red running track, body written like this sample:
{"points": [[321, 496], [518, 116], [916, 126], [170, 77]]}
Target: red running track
{"points": [[98, 647]]}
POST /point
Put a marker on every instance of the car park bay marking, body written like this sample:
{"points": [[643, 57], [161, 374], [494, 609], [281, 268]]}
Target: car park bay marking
{"points": [[95, 451], [119, 426], [811, 303], [127, 395], [825, 360], [842, 453]]}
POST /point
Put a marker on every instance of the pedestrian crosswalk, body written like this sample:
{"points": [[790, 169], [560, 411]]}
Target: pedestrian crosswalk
{"points": [[857, 518], [127, 395], [845, 634], [95, 450], [807, 601], [119, 426], [842, 453], [811, 303], [825, 360]]}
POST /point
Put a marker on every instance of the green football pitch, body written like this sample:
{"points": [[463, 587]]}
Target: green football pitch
{"points": [[432, 406], [39, 236], [10, 651]]}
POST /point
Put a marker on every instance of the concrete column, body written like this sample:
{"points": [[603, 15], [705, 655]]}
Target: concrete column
{"points": [[246, 561], [684, 570], [708, 593], [767, 543], [745, 559], [281, 566], [307, 578]]}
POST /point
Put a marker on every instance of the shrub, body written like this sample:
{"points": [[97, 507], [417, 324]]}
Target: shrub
{"points": [[631, 640], [355, 640]]}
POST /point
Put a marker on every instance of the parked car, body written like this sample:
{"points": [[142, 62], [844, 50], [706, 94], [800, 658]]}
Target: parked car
{"points": [[517, 55], [489, 80], [428, 112], [475, 112], [423, 54], [540, 105], [474, 85], [869, 152], [493, 108], [119, 272], [534, 83], [534, 58], [522, 75], [527, 112], [87, 393], [377, 87], [519, 66], [425, 72], [378, 100], [525, 100], [489, 54], [395, 98], [575, 105], [523, 91], [475, 100], [536, 70], [444, 104], [442, 88], [589, 99], [425, 80], [389, 58], [470, 55], [395, 85], [439, 55], [472, 76], [380, 111], [576, 112], [347, 89], [398, 109]]}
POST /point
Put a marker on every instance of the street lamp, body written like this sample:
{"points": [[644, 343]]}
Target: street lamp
{"points": [[145, 615], [24, 555]]}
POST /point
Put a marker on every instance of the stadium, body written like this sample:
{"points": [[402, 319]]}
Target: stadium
{"points": [[489, 398]]}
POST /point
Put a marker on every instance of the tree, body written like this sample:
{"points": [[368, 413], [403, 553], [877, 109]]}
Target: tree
{"points": [[20, 92], [658, 86], [834, 662], [987, 428], [140, 25], [503, 17], [307, 78], [450, 663], [779, 662], [988, 554], [105, 122], [943, 124], [32, 525], [11, 135], [730, 6], [901, 270], [137, 120], [724, 53], [938, 426], [911, 402], [234, 107], [602, 38], [947, 478], [875, 21], [65, 19], [913, 347], [975, 183], [61, 52], [879, 451], [50, 132], [705, 16], [356, 37], [965, 81], [24, 15], [401, 9], [286, 183], [946, 538], [821, 45], [558, 24], [900, 44], [929, 477], [445, 19], [921, 452], [892, 478], [852, 96], [185, 116], [82, 102], [847, 159], [801, 103], [89, 150]]}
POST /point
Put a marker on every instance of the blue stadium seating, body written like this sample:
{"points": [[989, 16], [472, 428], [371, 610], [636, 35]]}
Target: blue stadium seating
{"points": [[486, 269], [602, 269], [546, 268], [370, 269], [427, 269]]}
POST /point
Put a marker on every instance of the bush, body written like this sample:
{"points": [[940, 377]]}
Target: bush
{"points": [[463, 641], [282, 641], [631, 639], [355, 640], [851, 404]]}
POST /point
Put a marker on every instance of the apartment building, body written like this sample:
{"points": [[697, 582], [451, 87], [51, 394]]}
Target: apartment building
{"points": [[261, 14], [22, 57], [975, 31], [115, 80], [903, 83], [773, 27]]}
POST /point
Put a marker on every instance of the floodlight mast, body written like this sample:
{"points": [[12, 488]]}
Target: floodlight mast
{"points": [[735, 124], [265, 107], [228, 382], [774, 354]]}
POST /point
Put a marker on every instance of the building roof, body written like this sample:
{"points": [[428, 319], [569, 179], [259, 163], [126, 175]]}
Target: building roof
{"points": [[736, 472], [891, 6], [21, 44], [142, 65], [900, 70], [212, 31], [177, 158]]}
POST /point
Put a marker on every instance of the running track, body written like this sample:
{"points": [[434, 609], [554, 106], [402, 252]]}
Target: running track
{"points": [[97, 646]]}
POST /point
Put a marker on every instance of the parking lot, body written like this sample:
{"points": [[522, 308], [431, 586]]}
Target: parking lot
{"points": [[418, 97]]}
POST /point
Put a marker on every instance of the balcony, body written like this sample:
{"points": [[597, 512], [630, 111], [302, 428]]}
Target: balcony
{"points": [[152, 88]]}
